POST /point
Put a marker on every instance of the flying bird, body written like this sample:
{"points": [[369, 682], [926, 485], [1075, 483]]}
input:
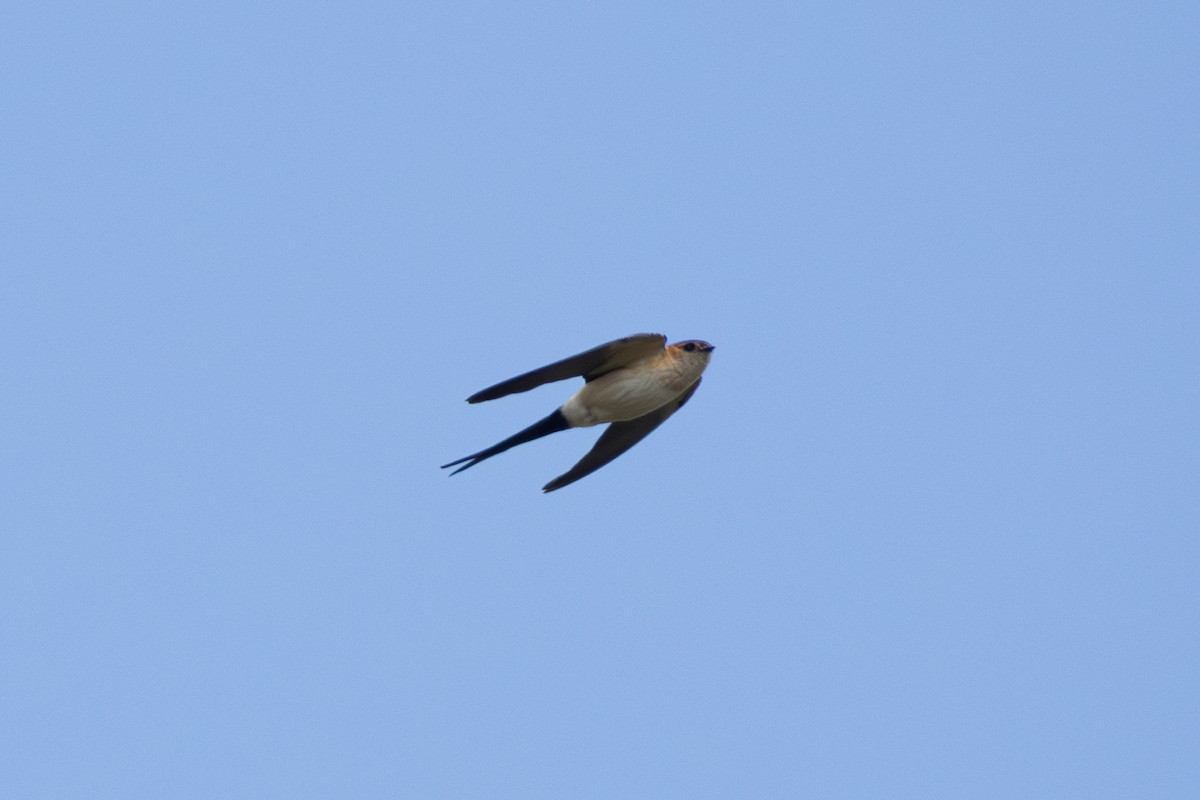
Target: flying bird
{"points": [[633, 383]]}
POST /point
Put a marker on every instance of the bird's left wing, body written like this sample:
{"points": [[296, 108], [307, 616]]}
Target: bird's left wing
{"points": [[619, 437], [589, 364]]}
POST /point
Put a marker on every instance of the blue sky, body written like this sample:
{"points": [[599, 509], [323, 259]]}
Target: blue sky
{"points": [[929, 529]]}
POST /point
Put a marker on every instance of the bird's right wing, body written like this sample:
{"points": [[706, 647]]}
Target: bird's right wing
{"points": [[619, 437], [589, 364]]}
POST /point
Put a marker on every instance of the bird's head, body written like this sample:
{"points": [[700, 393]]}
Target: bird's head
{"points": [[693, 351]]}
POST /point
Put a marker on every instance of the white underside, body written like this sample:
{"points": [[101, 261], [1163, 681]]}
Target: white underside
{"points": [[622, 395]]}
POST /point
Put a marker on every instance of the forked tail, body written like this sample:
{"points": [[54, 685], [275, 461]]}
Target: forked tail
{"points": [[552, 424]]}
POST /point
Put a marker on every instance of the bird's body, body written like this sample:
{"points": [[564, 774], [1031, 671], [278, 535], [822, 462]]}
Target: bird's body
{"points": [[633, 391], [634, 383]]}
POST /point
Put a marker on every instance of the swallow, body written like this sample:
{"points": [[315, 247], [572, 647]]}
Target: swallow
{"points": [[633, 383]]}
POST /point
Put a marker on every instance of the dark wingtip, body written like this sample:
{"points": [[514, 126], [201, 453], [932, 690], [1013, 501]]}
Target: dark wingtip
{"points": [[489, 393]]}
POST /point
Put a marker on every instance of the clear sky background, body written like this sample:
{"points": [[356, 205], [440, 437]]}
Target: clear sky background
{"points": [[929, 529]]}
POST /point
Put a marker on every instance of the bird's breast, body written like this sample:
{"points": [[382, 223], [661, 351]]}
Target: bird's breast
{"points": [[622, 395]]}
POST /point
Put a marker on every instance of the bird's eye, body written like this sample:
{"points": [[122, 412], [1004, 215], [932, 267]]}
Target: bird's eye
{"points": [[689, 347]]}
